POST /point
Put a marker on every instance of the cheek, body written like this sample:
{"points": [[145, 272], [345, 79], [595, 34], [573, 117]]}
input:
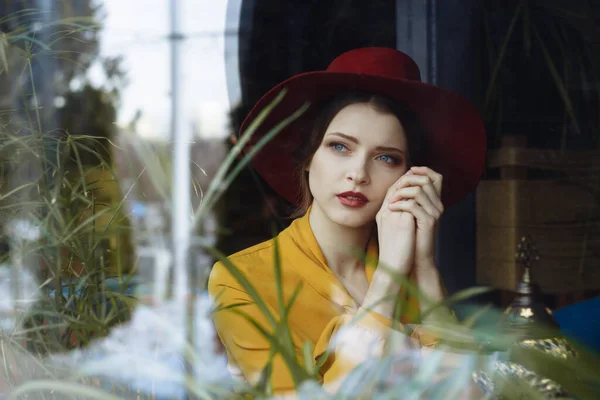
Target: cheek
{"points": [[317, 166], [320, 176]]}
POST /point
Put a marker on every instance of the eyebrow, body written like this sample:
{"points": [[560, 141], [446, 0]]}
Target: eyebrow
{"points": [[355, 140]]}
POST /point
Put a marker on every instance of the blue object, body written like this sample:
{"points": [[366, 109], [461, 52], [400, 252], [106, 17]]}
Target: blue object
{"points": [[581, 322], [113, 284]]}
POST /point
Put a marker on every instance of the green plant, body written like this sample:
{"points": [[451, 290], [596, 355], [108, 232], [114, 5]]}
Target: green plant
{"points": [[65, 203], [46, 182]]}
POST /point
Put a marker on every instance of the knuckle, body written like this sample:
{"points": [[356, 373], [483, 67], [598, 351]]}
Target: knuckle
{"points": [[430, 220]]}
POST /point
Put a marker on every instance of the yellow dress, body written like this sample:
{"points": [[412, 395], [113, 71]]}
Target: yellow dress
{"points": [[321, 309]]}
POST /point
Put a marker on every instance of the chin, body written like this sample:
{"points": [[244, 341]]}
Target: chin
{"points": [[352, 218]]}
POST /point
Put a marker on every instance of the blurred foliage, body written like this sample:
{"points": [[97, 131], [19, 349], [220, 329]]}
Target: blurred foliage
{"points": [[55, 170], [58, 179], [246, 223], [57, 45], [467, 349]]}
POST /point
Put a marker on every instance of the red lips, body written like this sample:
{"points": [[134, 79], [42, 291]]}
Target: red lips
{"points": [[352, 199], [355, 195]]}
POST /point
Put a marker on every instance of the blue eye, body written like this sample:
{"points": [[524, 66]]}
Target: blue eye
{"points": [[337, 146], [388, 159]]}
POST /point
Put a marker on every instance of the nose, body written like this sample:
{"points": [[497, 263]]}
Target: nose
{"points": [[357, 172]]}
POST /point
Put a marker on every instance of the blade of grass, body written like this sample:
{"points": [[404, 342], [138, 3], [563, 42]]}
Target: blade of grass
{"points": [[297, 372], [278, 280], [230, 306], [3, 48], [217, 185], [309, 361], [248, 287], [17, 190], [293, 297], [264, 384], [455, 298], [83, 225], [562, 90], [502, 53], [67, 388], [29, 39], [471, 320], [322, 358], [261, 143]]}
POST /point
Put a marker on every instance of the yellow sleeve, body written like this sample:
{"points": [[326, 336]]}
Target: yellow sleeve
{"points": [[356, 337], [248, 351], [353, 339]]}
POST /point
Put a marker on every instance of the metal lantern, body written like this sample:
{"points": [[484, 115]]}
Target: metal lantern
{"points": [[527, 312], [532, 322]]}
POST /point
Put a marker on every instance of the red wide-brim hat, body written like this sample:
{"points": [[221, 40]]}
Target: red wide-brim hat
{"points": [[455, 134]]}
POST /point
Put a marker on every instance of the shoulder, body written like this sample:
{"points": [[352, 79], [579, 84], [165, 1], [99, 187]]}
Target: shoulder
{"points": [[247, 261], [258, 251], [256, 263]]}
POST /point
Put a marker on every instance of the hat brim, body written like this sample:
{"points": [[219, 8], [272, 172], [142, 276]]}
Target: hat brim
{"points": [[456, 140]]}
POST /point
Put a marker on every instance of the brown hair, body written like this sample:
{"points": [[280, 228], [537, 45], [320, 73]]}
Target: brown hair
{"points": [[328, 110]]}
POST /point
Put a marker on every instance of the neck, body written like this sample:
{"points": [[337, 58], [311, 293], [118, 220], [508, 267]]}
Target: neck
{"points": [[338, 242]]}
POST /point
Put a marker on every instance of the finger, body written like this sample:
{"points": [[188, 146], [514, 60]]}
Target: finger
{"points": [[427, 185], [389, 193], [435, 177], [418, 193], [411, 206], [392, 188]]}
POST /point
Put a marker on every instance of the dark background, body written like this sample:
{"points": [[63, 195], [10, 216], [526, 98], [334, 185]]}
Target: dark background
{"points": [[455, 43]]}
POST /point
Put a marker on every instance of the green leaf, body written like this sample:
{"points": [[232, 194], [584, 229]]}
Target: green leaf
{"points": [[470, 321], [67, 388], [83, 225], [261, 143], [297, 372], [455, 298], [248, 287], [230, 306], [500, 59], [278, 279], [3, 48], [293, 297], [217, 181], [264, 384], [27, 38], [309, 361], [17, 189], [562, 90]]}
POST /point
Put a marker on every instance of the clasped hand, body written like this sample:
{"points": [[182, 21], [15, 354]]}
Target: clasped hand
{"points": [[408, 219]]}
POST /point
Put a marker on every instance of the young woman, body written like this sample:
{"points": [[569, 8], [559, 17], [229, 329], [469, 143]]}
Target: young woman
{"points": [[365, 166]]}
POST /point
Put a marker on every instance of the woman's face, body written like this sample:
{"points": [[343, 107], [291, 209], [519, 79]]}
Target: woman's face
{"points": [[363, 151]]}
